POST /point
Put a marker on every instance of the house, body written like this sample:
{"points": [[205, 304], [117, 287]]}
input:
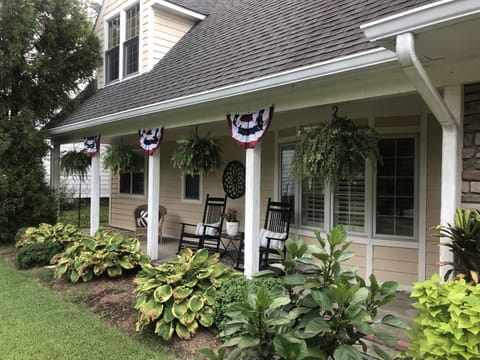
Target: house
{"points": [[410, 69]]}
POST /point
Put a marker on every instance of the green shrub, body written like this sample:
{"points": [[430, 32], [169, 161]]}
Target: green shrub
{"points": [[178, 296], [58, 233], [236, 290], [38, 254], [108, 252], [447, 325]]}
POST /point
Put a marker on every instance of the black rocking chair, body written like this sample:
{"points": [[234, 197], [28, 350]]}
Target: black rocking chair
{"points": [[274, 233], [208, 233]]}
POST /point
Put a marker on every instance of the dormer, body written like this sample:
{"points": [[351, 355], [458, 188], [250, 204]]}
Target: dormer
{"points": [[135, 34]]}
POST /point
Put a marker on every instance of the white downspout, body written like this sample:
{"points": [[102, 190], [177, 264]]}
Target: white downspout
{"points": [[451, 141]]}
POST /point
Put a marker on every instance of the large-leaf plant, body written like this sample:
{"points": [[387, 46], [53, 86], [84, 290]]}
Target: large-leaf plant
{"points": [[178, 296]]}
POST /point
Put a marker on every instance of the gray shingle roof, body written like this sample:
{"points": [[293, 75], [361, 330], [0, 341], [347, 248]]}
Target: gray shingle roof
{"points": [[245, 39]]}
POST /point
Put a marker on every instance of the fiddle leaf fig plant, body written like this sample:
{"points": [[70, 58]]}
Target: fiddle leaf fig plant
{"points": [[335, 151], [195, 154]]}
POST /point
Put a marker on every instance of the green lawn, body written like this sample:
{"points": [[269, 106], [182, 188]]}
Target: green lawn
{"points": [[71, 216], [37, 325]]}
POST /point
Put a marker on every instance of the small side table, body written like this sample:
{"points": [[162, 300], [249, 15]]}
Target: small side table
{"points": [[231, 246]]}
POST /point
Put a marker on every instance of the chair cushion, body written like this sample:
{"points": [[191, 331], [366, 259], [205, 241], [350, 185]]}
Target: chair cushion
{"points": [[265, 234], [211, 231], [142, 220]]}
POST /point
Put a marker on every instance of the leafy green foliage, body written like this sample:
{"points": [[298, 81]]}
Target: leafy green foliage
{"points": [[121, 157], [178, 296], [236, 290], [25, 197], [324, 313], [464, 237], [38, 254], [48, 49], [75, 163], [447, 325], [195, 154], [58, 233], [108, 252], [335, 151]]}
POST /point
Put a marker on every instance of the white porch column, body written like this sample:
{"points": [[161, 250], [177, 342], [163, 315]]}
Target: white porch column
{"points": [[95, 194], [153, 203], [55, 167], [452, 142], [252, 209]]}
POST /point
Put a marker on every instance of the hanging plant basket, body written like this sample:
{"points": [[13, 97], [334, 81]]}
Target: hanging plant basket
{"points": [[75, 163], [335, 151], [120, 158], [196, 154]]}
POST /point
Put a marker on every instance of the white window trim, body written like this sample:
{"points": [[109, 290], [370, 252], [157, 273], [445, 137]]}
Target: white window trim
{"points": [[145, 182], [200, 192], [106, 19]]}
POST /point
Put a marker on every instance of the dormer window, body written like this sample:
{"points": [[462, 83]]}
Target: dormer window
{"points": [[130, 47], [122, 44]]}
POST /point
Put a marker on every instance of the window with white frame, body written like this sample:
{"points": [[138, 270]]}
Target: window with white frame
{"points": [[133, 182], [122, 44], [191, 187], [394, 200]]}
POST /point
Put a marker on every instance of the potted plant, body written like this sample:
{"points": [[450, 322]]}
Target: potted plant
{"points": [[231, 222], [195, 154], [335, 151], [120, 158]]}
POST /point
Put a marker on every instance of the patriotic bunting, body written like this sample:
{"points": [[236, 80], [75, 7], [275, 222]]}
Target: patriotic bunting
{"points": [[248, 129], [150, 139], [91, 145]]}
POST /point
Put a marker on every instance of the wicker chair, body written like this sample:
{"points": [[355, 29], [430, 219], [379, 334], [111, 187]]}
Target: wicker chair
{"points": [[140, 217]]}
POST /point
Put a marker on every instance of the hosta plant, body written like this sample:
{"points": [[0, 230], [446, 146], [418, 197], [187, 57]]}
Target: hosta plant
{"points": [[61, 233], [108, 252], [178, 296]]}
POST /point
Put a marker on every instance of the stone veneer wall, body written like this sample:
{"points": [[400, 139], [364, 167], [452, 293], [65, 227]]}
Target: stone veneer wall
{"points": [[471, 146]]}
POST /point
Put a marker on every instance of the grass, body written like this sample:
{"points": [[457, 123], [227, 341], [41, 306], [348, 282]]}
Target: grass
{"points": [[35, 324], [71, 216]]}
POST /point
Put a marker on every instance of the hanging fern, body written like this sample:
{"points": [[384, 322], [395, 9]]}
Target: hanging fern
{"points": [[120, 158], [75, 163], [195, 154], [335, 151]]}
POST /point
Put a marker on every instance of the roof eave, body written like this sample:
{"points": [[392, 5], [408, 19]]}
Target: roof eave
{"points": [[422, 18], [323, 69], [178, 10]]}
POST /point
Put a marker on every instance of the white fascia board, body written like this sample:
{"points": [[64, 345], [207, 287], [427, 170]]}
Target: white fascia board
{"points": [[324, 69], [421, 18], [178, 10]]}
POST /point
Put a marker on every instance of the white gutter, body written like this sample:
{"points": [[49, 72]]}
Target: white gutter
{"points": [[178, 10], [323, 69], [451, 141], [420, 18]]}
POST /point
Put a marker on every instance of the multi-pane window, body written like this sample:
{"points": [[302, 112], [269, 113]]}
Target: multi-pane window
{"points": [[395, 188], [133, 182], [191, 187], [112, 55], [122, 45], [322, 206], [130, 47]]}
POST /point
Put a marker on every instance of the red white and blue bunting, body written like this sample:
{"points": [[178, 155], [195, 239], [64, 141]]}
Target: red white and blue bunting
{"points": [[248, 129], [91, 145], [150, 139]]}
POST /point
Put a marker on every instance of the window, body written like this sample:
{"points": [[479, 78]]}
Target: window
{"points": [[395, 188], [112, 54], [122, 45], [133, 182], [322, 207], [130, 47], [191, 187]]}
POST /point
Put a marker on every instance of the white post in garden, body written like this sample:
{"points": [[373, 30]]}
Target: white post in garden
{"points": [[252, 209], [153, 203], [55, 167], [95, 194]]}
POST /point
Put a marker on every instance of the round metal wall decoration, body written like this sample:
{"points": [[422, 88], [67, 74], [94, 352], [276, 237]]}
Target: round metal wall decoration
{"points": [[234, 179]]}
